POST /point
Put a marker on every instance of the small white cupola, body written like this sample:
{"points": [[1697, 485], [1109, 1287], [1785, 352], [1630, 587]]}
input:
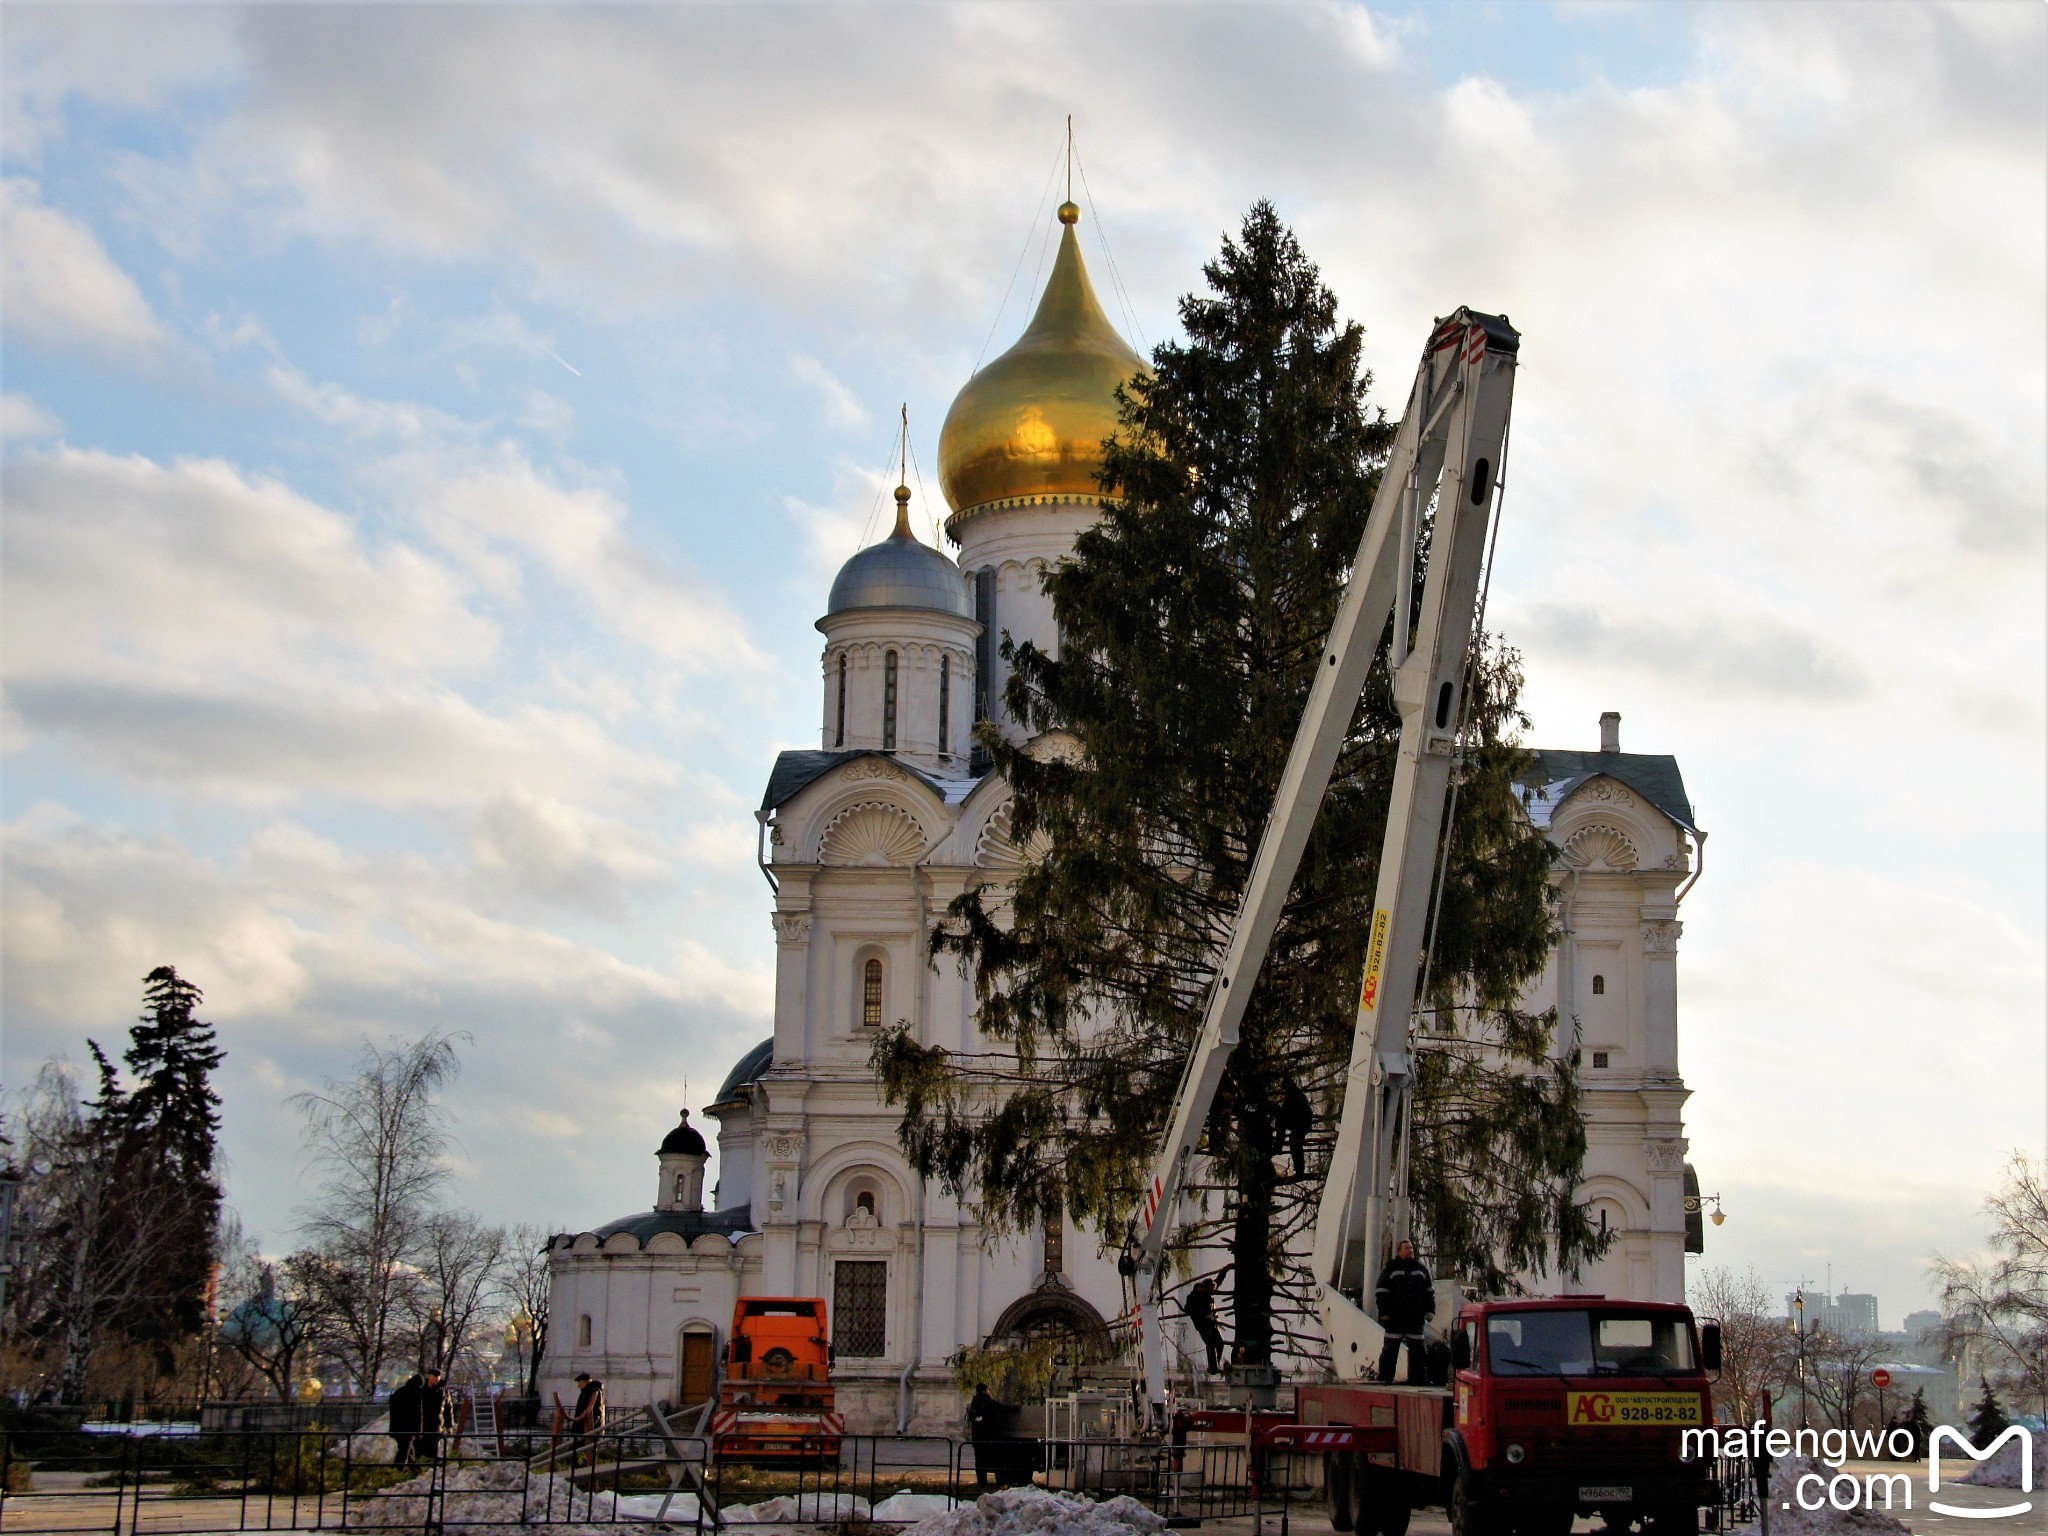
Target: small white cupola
{"points": [[682, 1156], [899, 652]]}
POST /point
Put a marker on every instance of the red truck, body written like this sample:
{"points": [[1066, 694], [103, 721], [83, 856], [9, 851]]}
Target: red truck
{"points": [[1558, 1407]]}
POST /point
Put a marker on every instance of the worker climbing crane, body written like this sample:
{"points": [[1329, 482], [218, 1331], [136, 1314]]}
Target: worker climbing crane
{"points": [[1440, 486]]}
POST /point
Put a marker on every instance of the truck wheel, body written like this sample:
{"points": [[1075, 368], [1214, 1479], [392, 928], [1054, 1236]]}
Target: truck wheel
{"points": [[1382, 1501], [1337, 1482], [1468, 1516]]}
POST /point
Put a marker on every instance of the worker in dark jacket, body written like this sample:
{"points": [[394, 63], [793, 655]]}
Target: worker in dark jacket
{"points": [[404, 1407], [1293, 1120], [1406, 1296], [1200, 1308], [433, 1417], [986, 1420]]}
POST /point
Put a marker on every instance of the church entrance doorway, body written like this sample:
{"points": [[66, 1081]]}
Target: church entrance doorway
{"points": [[699, 1368]]}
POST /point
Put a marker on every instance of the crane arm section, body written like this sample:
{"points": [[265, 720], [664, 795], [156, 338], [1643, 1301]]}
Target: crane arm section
{"points": [[1443, 470]]}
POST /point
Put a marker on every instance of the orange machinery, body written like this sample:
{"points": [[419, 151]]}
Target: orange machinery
{"points": [[775, 1400]]}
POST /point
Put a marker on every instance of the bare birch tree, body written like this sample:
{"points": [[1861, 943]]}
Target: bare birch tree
{"points": [[457, 1284], [96, 1247], [1998, 1305], [377, 1139], [1756, 1345], [523, 1281]]}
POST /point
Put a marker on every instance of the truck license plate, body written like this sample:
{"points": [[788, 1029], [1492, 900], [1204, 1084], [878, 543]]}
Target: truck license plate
{"points": [[1606, 1493], [1632, 1407]]}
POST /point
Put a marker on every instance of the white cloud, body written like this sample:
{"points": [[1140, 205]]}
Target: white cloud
{"points": [[842, 407], [197, 629], [22, 417], [303, 947], [562, 854], [339, 407], [494, 510], [59, 286]]}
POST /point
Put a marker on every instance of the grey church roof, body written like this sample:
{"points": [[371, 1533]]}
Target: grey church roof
{"points": [[796, 769], [684, 1223], [1653, 775]]}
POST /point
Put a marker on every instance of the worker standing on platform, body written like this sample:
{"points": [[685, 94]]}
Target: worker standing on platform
{"points": [[1406, 1296], [1201, 1310]]}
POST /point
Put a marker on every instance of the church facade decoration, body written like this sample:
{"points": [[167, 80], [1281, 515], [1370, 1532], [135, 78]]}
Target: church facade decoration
{"points": [[870, 835]]}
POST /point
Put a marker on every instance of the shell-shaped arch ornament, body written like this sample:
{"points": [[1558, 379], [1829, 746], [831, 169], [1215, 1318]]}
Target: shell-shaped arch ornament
{"points": [[1600, 846], [872, 832], [997, 849]]}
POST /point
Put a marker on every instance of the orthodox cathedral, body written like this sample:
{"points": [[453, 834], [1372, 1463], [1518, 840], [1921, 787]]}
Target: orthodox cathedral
{"points": [[871, 833]]}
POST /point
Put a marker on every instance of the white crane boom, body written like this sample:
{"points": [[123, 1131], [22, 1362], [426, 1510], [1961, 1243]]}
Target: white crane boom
{"points": [[1445, 460]]}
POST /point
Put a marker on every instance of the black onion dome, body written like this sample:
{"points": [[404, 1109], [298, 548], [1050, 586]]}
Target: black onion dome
{"points": [[684, 1138]]}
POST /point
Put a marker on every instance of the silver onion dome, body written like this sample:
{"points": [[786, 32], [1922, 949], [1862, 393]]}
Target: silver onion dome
{"points": [[900, 572]]}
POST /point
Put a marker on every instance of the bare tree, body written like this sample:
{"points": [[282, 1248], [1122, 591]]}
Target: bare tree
{"points": [[377, 1138], [1756, 1348], [1998, 1305], [1838, 1373], [457, 1284], [97, 1246], [523, 1281], [281, 1320]]}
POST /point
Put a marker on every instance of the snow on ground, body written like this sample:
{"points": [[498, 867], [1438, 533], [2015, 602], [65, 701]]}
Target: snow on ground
{"points": [[1788, 1519], [2002, 1469], [829, 1508], [905, 1505], [1042, 1512], [487, 1493]]}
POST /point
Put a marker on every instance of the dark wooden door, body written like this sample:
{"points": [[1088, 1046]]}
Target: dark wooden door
{"points": [[698, 1358]]}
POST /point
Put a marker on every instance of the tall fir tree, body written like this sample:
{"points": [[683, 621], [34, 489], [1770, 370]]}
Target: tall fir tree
{"points": [[165, 1129], [1192, 617], [1987, 1420]]}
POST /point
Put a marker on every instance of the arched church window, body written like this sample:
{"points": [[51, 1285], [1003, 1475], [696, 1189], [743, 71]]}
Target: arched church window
{"points": [[945, 703], [871, 995], [889, 702], [839, 714], [1599, 986]]}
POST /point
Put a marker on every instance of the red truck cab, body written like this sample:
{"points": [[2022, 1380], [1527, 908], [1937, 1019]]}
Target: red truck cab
{"points": [[1557, 1407]]}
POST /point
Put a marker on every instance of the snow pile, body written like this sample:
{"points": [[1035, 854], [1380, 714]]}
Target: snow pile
{"points": [[1042, 1512], [1788, 1519], [371, 1443], [2002, 1469], [486, 1493], [798, 1508], [904, 1506]]}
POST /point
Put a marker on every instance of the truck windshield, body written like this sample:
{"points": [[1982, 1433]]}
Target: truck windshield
{"points": [[1588, 1343]]}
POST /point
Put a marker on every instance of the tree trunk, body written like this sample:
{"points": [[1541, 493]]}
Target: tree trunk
{"points": [[1251, 1237]]}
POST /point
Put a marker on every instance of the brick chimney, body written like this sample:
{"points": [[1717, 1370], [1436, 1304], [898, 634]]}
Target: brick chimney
{"points": [[1610, 731]]}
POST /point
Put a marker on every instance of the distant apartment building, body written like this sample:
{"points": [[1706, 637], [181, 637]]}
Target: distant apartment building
{"points": [[1850, 1312]]}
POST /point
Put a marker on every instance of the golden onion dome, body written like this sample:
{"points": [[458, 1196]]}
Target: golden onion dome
{"points": [[1030, 426]]}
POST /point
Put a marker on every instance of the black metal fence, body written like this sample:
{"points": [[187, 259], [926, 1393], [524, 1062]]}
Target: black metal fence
{"points": [[638, 1471]]}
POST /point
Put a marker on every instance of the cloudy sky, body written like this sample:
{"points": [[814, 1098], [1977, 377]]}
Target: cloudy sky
{"points": [[431, 433]]}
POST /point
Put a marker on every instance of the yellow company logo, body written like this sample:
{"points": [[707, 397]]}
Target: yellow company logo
{"points": [[1632, 1408], [1375, 957]]}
